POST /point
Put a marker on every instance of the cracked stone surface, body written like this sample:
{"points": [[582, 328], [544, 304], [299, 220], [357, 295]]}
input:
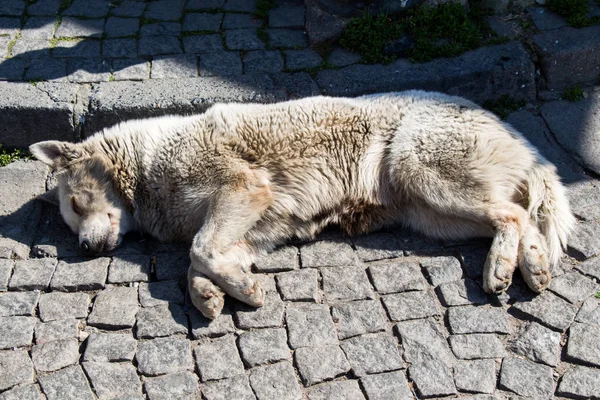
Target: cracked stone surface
{"points": [[390, 314]]}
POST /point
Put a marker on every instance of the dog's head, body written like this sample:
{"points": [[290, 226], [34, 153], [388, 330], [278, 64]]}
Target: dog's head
{"points": [[87, 196]]}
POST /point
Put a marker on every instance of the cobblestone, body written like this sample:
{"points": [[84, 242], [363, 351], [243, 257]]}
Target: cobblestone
{"points": [[268, 316], [432, 378], [475, 346], [264, 346], [397, 276], [260, 61], [129, 268], [218, 359], [24, 392], [372, 353], [164, 356], [302, 59], [161, 293], [469, 319], [389, 385], [276, 381], [377, 246], [298, 285], [59, 305], [317, 364], [109, 347], [526, 378], [422, 341], [590, 267], [589, 312], [6, 268], [462, 292], [18, 303], [115, 308], [346, 284], [161, 320], [32, 274], [358, 317], [202, 43], [56, 330], [283, 259], [231, 388], [15, 368], [243, 39], [411, 305], [477, 376], [286, 38], [54, 355], [327, 253], [573, 287], [110, 380], [583, 345], [203, 327], [182, 385], [202, 22], [80, 275], [309, 325], [68, 383], [538, 343], [220, 63], [549, 310], [16, 331], [580, 382], [341, 390]]}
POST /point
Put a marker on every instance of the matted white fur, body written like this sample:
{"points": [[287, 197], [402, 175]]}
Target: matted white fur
{"points": [[242, 178]]}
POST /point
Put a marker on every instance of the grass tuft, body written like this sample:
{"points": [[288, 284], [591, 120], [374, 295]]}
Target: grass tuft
{"points": [[574, 11], [504, 105], [573, 93], [263, 7], [6, 157]]}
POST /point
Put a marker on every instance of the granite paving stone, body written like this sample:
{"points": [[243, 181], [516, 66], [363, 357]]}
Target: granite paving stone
{"points": [[89, 70], [18, 303], [129, 268], [56, 330], [58, 305], [411, 305], [204, 4], [10, 26], [580, 382], [32, 49], [589, 311], [544, 19], [478, 376], [15, 368], [87, 8], [358, 317], [461, 292], [6, 269], [202, 22], [160, 293], [114, 308], [243, 39], [13, 71], [423, 341], [161, 320], [377, 246], [526, 378], [264, 346], [287, 16], [573, 287], [120, 27], [68, 383], [471, 319], [268, 316], [550, 310], [302, 59], [389, 385], [131, 69], [156, 45], [432, 379], [16, 331], [327, 253], [473, 260], [110, 380], [339, 390], [182, 385], [81, 48], [202, 43], [583, 345], [220, 63], [164, 356], [202, 327], [237, 21], [48, 69], [172, 265], [317, 364], [128, 8], [109, 347], [397, 276], [43, 7], [340, 57], [477, 345], [297, 85], [25, 392], [177, 66], [298, 285], [161, 28], [165, 10], [584, 199], [54, 355], [286, 38], [236, 387], [587, 241], [218, 359], [309, 325], [260, 61], [80, 275], [76, 27], [40, 28], [372, 353], [538, 343], [346, 284], [590, 267], [239, 5], [275, 381]]}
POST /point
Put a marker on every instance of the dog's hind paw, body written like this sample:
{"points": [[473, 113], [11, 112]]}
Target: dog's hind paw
{"points": [[206, 297], [254, 296]]}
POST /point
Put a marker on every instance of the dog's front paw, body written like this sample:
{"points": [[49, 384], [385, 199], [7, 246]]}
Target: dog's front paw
{"points": [[206, 297], [497, 275], [255, 295]]}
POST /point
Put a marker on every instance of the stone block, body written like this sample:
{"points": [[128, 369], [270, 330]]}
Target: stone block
{"points": [[432, 379], [327, 253], [164, 356], [470, 319], [309, 325], [372, 353], [55, 355], [115, 308], [218, 359], [182, 385], [16, 331], [477, 345], [317, 364], [275, 381], [18, 303], [264, 346], [346, 284], [411, 305], [526, 378], [15, 368], [57, 305], [73, 275], [68, 383], [397, 276], [358, 317], [110, 347], [161, 320]]}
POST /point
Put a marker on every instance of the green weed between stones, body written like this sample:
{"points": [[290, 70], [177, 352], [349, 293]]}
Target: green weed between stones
{"points": [[504, 105], [6, 157], [443, 31], [597, 295], [263, 7], [574, 11], [573, 93]]}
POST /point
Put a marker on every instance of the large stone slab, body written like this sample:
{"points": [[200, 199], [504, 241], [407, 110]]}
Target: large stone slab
{"points": [[577, 48], [479, 75], [576, 125], [23, 106], [112, 102]]}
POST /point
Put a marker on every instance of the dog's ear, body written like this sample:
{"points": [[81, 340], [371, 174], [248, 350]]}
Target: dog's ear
{"points": [[51, 196], [55, 154]]}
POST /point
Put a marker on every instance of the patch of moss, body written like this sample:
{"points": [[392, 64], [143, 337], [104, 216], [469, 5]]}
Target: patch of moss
{"points": [[6, 157], [263, 7], [504, 105], [573, 93], [574, 11], [368, 35]]}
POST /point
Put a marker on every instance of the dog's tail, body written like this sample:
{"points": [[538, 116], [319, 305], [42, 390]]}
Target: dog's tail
{"points": [[549, 207]]}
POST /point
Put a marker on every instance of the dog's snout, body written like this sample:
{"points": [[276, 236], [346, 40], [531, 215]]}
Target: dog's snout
{"points": [[85, 246]]}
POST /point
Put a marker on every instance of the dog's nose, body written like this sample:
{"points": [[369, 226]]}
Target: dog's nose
{"points": [[85, 246]]}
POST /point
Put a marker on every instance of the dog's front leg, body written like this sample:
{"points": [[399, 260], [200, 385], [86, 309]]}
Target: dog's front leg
{"points": [[219, 250]]}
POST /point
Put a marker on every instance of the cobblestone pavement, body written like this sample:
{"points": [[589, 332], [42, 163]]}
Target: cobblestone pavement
{"points": [[383, 316]]}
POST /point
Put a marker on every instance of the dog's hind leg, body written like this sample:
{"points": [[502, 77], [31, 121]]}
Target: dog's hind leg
{"points": [[219, 250], [533, 259]]}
